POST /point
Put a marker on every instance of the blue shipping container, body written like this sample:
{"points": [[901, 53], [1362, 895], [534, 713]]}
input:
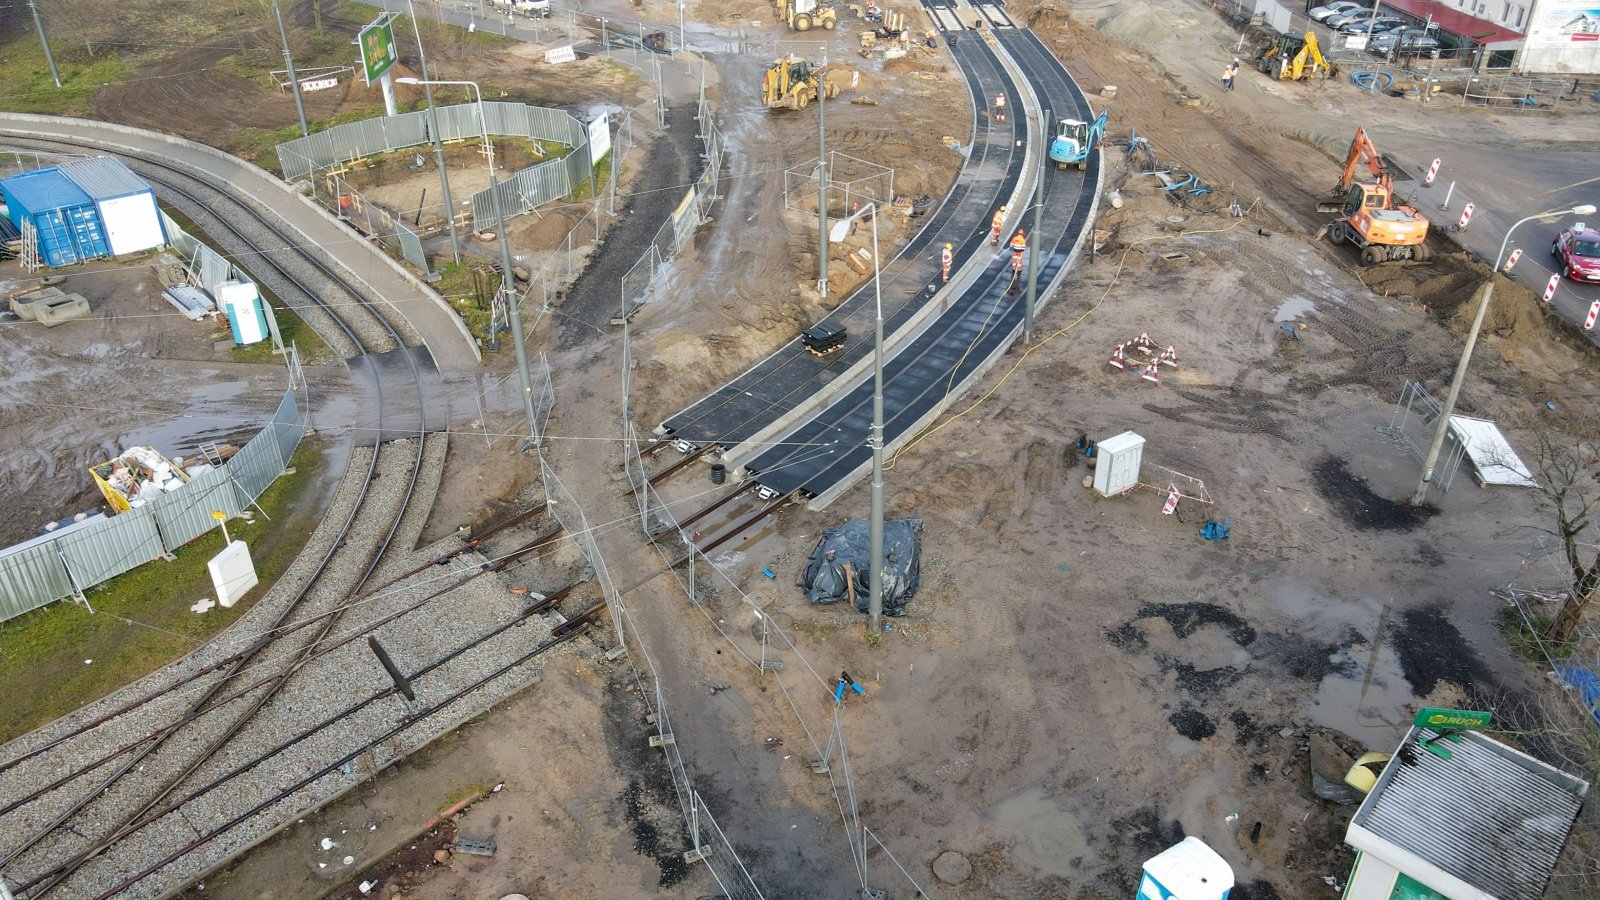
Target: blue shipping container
{"points": [[129, 215], [65, 218]]}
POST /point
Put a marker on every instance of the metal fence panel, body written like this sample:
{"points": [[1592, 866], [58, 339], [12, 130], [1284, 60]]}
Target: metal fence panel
{"points": [[112, 546], [185, 514], [528, 189], [411, 247], [31, 578]]}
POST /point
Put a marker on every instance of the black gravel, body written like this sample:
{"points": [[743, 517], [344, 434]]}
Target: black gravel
{"points": [[1143, 831], [674, 162], [1357, 504], [1248, 730], [1192, 723], [1203, 682], [1187, 618], [1432, 650], [649, 802]]}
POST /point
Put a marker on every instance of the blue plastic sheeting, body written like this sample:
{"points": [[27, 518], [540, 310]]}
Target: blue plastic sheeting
{"points": [[64, 217], [1586, 683]]}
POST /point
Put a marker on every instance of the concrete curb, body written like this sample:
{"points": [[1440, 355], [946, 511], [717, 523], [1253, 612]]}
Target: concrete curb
{"points": [[923, 318], [85, 127]]}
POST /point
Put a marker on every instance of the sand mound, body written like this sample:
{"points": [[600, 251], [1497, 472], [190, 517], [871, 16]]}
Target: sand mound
{"points": [[1141, 25]]}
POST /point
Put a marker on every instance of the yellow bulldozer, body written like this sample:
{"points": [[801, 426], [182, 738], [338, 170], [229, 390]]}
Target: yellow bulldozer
{"points": [[803, 15], [792, 83], [1291, 58]]}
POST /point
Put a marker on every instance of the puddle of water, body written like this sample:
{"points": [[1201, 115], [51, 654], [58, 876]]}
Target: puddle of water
{"points": [[1293, 308], [1365, 697], [1048, 837]]}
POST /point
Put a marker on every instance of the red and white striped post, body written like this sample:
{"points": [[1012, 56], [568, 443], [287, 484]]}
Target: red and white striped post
{"points": [[1432, 171], [1466, 216], [1171, 505], [1515, 255], [1594, 313], [1550, 289], [1118, 360]]}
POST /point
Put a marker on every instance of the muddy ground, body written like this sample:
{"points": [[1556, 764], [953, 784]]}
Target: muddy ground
{"points": [[1082, 680]]}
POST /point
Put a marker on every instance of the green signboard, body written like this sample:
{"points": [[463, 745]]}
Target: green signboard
{"points": [[1458, 719], [377, 48]]}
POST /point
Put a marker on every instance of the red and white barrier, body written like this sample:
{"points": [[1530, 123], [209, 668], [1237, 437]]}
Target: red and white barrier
{"points": [[1594, 313], [1515, 255], [1550, 289], [1432, 171], [1152, 373], [1172, 503], [1119, 360], [1142, 343], [1168, 356], [1466, 216]]}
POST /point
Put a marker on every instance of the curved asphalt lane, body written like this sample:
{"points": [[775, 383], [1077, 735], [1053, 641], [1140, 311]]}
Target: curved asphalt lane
{"points": [[829, 448], [790, 376]]}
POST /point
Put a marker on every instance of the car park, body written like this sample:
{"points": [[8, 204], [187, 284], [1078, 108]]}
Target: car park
{"points": [[1578, 250], [1372, 26], [1343, 7], [1409, 40]]}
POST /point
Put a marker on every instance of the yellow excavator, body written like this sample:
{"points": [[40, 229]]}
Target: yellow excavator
{"points": [[1291, 58], [803, 15], [1382, 229], [792, 83]]}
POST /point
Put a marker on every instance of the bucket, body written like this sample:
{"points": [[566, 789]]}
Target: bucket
{"points": [[719, 473]]}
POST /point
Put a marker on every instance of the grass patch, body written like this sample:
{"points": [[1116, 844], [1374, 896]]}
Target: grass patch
{"points": [[817, 630], [27, 86], [456, 286], [1526, 638], [601, 179], [142, 618], [291, 327]]}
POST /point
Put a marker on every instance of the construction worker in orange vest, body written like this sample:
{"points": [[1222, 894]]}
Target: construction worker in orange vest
{"points": [[1019, 245], [998, 223], [945, 256], [999, 107]]}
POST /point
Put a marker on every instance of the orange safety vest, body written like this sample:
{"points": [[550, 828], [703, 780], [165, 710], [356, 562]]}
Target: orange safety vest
{"points": [[944, 257], [1019, 243], [1000, 101]]}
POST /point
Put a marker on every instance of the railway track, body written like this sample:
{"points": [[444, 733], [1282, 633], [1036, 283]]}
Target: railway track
{"points": [[86, 804]]}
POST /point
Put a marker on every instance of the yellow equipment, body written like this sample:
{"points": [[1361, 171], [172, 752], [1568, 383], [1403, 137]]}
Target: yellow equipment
{"points": [[802, 15], [1294, 58], [791, 83], [1369, 216], [139, 474]]}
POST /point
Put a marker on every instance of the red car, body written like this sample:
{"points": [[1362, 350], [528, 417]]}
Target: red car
{"points": [[1579, 252]]}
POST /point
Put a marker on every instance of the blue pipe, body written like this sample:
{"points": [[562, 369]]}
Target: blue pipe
{"points": [[1369, 80]]}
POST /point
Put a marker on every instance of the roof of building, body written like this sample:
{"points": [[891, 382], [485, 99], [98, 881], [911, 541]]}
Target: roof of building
{"points": [[104, 177], [43, 189], [1454, 21], [1491, 818]]}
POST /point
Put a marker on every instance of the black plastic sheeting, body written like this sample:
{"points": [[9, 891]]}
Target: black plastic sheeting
{"points": [[825, 579]]}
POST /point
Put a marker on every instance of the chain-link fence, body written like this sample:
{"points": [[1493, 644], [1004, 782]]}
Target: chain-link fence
{"points": [[709, 844], [64, 564], [676, 234], [375, 222]]}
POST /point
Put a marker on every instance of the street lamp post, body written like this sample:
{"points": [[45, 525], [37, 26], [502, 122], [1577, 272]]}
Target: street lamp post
{"points": [[507, 284], [875, 521], [438, 141], [1421, 493]]}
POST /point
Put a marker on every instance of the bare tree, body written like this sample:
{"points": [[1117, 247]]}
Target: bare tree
{"points": [[1568, 474]]}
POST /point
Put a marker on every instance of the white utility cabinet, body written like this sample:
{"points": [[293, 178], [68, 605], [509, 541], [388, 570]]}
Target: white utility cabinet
{"points": [[1116, 469]]}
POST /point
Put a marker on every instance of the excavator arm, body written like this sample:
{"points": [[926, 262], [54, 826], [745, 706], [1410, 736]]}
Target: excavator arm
{"points": [[1362, 151]]}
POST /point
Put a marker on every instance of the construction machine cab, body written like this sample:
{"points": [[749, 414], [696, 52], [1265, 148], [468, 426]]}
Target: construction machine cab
{"points": [[1365, 197]]}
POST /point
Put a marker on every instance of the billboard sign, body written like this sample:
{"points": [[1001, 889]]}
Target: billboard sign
{"points": [[1564, 23], [377, 48], [599, 138]]}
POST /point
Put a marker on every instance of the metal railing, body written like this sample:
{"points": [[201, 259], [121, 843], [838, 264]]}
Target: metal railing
{"points": [[39, 572]]}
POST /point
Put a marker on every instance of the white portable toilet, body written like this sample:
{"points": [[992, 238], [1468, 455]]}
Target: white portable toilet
{"points": [[1117, 468], [1188, 870], [242, 303]]}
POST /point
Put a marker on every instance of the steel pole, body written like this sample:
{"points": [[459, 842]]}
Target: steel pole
{"points": [[438, 144], [875, 523], [1033, 255], [288, 60], [822, 182], [507, 280], [44, 41]]}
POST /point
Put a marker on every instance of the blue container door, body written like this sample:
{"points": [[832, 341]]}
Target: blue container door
{"points": [[56, 246], [89, 234]]}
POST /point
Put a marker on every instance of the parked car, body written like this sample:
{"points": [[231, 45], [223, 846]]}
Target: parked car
{"points": [[533, 9], [1339, 20], [1372, 26], [1343, 7], [1578, 250], [1408, 40]]}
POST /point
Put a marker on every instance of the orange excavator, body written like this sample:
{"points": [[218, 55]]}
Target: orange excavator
{"points": [[1369, 217]]}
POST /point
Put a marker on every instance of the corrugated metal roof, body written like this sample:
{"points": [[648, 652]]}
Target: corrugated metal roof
{"points": [[1495, 818], [43, 190], [104, 177]]}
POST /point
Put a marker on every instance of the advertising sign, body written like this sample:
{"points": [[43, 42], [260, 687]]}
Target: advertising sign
{"points": [[377, 48], [599, 138], [1564, 23]]}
